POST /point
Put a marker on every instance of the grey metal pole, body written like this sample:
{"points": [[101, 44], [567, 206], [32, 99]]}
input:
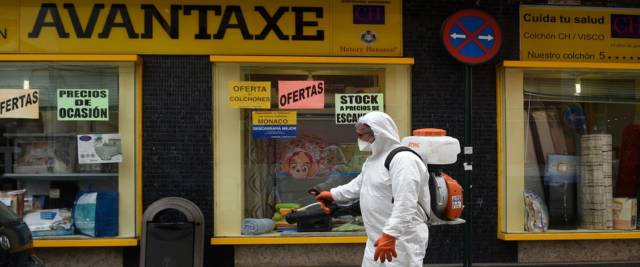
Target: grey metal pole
{"points": [[468, 167]]}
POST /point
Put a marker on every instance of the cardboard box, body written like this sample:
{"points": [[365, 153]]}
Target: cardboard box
{"points": [[624, 213], [14, 200]]}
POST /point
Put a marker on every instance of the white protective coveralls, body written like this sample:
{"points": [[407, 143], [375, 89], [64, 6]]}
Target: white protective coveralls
{"points": [[406, 184]]}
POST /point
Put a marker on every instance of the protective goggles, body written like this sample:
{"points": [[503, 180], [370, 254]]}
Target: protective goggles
{"points": [[364, 132]]}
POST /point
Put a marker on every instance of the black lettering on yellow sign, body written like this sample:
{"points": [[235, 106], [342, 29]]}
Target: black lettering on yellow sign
{"points": [[150, 12], [272, 23], [49, 16], [270, 121], [539, 18], [249, 99], [18, 102], [240, 24], [111, 22], [250, 88], [3, 33], [75, 20]]}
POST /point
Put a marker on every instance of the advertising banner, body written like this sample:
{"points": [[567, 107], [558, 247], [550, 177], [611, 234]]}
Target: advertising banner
{"points": [[223, 27], [83, 104], [301, 94], [274, 124], [244, 94], [579, 34], [19, 103], [350, 107]]}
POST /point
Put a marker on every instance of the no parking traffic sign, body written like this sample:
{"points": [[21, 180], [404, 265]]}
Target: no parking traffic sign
{"points": [[472, 36]]}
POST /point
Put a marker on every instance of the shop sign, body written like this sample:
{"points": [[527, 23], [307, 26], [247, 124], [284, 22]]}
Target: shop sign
{"points": [[224, 27], [99, 148], [19, 103], [579, 34], [244, 94], [350, 107], [301, 94], [274, 124], [83, 104]]}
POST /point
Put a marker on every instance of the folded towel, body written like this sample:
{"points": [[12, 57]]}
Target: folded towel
{"points": [[349, 227], [251, 226]]}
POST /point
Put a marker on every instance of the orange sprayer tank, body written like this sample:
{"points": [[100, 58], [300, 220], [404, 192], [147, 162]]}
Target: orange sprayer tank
{"points": [[436, 148], [455, 199]]}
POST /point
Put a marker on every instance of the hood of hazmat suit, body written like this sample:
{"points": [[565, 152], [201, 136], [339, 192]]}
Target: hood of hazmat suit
{"points": [[389, 199]]}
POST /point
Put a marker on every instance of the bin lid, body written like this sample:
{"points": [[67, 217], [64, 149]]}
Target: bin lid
{"points": [[429, 132]]}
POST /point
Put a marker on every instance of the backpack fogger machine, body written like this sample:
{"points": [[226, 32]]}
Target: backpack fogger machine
{"points": [[438, 150]]}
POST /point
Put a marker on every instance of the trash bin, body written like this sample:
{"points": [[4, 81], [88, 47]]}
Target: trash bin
{"points": [[170, 244]]}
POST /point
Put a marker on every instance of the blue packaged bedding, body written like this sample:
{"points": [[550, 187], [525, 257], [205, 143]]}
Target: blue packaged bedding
{"points": [[96, 213]]}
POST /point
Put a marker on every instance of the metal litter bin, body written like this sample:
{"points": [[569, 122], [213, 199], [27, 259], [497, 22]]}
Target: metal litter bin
{"points": [[172, 244]]}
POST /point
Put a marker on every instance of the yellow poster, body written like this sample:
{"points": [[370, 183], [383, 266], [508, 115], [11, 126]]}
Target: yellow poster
{"points": [[581, 34], [19, 103], [243, 94], [274, 117], [224, 27]]}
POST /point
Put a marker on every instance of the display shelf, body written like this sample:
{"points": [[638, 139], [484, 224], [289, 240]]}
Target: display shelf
{"points": [[39, 134], [58, 176], [564, 235], [276, 240], [580, 99], [83, 241]]}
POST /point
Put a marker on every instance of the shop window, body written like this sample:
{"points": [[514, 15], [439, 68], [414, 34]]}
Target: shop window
{"points": [[79, 140], [570, 157], [272, 174]]}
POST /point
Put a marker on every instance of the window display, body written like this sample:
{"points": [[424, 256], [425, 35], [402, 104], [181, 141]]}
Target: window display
{"points": [[569, 150], [45, 152], [303, 141], [321, 155]]}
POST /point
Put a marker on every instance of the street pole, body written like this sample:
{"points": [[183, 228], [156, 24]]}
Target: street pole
{"points": [[463, 39], [468, 166]]}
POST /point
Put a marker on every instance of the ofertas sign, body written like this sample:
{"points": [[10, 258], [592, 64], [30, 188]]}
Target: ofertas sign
{"points": [[579, 34], [301, 94], [19, 103], [83, 104], [350, 107], [274, 124], [244, 94]]}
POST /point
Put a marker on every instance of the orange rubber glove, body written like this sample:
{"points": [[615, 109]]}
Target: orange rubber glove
{"points": [[325, 199], [385, 248]]}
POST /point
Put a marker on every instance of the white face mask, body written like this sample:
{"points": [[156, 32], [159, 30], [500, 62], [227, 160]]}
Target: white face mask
{"points": [[364, 145]]}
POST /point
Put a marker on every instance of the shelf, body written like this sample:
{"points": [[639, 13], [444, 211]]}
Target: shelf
{"points": [[273, 240], [568, 235], [82, 241], [583, 99], [39, 134], [58, 176]]}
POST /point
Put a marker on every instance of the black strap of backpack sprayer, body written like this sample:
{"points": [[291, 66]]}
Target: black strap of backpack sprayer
{"points": [[387, 163], [395, 151]]}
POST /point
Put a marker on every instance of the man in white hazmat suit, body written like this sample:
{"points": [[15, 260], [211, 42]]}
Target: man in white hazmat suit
{"points": [[390, 201]]}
